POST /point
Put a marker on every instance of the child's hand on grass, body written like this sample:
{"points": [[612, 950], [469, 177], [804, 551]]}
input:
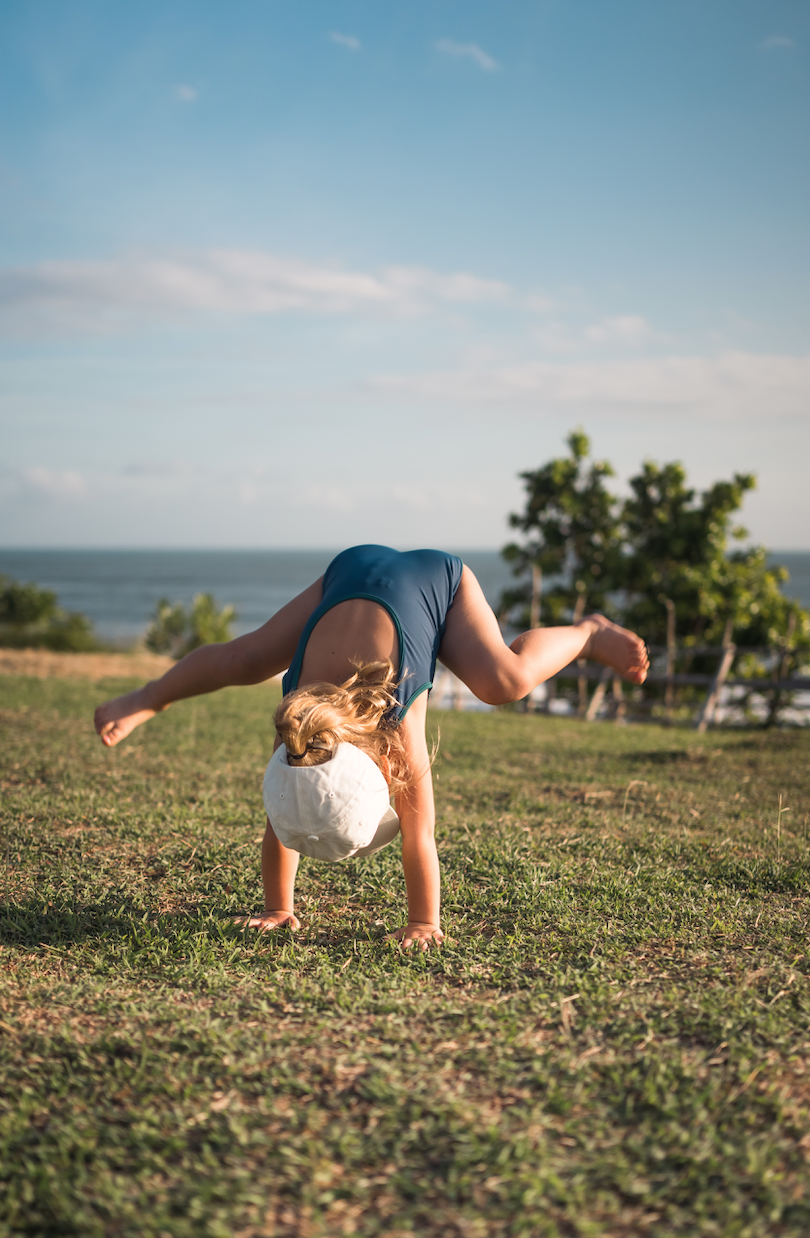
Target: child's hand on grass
{"points": [[423, 936], [267, 920]]}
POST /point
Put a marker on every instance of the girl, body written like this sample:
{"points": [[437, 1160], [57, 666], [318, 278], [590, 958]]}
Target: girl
{"points": [[361, 645]]}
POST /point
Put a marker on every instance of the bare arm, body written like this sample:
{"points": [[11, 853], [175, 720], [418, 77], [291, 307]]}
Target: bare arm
{"points": [[246, 660], [279, 868], [417, 816], [249, 659]]}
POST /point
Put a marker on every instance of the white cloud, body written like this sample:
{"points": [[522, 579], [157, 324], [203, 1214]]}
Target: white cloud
{"points": [[732, 384], [99, 296], [345, 40], [775, 42], [620, 329], [616, 331], [186, 94], [55, 483], [469, 51], [557, 338], [537, 304], [459, 287]]}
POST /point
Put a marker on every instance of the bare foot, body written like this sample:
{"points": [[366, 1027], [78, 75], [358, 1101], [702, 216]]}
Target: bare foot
{"points": [[616, 647], [115, 719]]}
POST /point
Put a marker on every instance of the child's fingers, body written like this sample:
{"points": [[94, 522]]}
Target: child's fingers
{"points": [[423, 939], [268, 923]]}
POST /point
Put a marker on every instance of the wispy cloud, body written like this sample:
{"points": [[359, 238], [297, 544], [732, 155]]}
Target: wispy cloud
{"points": [[469, 51], [733, 384], [186, 94], [776, 42], [627, 329], [55, 483], [615, 331], [345, 40], [103, 296]]}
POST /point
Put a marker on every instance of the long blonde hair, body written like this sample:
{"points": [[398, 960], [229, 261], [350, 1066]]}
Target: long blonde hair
{"points": [[311, 721]]}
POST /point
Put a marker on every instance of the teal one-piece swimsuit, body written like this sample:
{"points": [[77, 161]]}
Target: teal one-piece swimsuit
{"points": [[416, 587]]}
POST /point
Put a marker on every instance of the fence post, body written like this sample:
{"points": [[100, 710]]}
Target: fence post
{"points": [[537, 589], [619, 701], [780, 671], [713, 695], [582, 680], [599, 694]]}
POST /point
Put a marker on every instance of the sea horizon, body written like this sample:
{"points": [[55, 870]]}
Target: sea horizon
{"points": [[228, 549], [118, 588]]}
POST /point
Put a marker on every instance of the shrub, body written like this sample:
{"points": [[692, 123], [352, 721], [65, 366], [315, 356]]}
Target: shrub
{"points": [[176, 631], [31, 618]]}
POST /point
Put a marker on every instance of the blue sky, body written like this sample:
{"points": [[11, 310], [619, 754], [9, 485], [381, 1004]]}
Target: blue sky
{"points": [[278, 275]]}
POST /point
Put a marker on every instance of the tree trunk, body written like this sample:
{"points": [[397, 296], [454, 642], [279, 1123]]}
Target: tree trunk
{"points": [[669, 696], [537, 590], [582, 680]]}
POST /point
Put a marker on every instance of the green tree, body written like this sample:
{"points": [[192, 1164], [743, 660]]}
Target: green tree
{"points": [[753, 600], [571, 532], [664, 548], [678, 549], [176, 631]]}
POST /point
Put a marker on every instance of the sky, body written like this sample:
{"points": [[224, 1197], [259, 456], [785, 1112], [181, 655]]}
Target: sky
{"points": [[280, 275]]}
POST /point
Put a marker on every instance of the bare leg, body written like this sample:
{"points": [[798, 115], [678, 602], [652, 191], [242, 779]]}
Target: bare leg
{"points": [[248, 659], [473, 648]]}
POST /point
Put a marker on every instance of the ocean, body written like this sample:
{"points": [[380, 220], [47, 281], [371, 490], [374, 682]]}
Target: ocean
{"points": [[118, 589]]}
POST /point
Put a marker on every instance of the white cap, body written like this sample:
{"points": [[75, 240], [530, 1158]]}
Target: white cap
{"points": [[329, 811]]}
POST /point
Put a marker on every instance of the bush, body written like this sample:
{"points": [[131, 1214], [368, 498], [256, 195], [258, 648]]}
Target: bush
{"points": [[176, 631], [31, 618]]}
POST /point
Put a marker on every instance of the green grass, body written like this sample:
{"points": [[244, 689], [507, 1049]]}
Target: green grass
{"points": [[615, 1041]]}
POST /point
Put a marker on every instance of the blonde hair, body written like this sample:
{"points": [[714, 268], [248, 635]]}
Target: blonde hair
{"points": [[311, 721]]}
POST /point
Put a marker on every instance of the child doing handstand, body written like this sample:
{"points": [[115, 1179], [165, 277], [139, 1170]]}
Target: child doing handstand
{"points": [[361, 646]]}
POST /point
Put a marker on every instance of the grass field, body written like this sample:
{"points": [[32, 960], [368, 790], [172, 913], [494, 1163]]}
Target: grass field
{"points": [[615, 1042]]}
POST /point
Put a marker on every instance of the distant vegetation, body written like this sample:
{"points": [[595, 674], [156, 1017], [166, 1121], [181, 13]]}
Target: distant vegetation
{"points": [[664, 551], [176, 631], [31, 618]]}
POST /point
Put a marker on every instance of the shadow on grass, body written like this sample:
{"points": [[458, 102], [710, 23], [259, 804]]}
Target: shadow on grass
{"points": [[672, 756], [769, 876], [65, 923], [28, 923], [695, 752]]}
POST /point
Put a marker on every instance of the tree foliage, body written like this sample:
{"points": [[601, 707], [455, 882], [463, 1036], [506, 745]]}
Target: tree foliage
{"points": [[677, 544], [571, 533], [176, 631], [665, 543], [32, 618]]}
